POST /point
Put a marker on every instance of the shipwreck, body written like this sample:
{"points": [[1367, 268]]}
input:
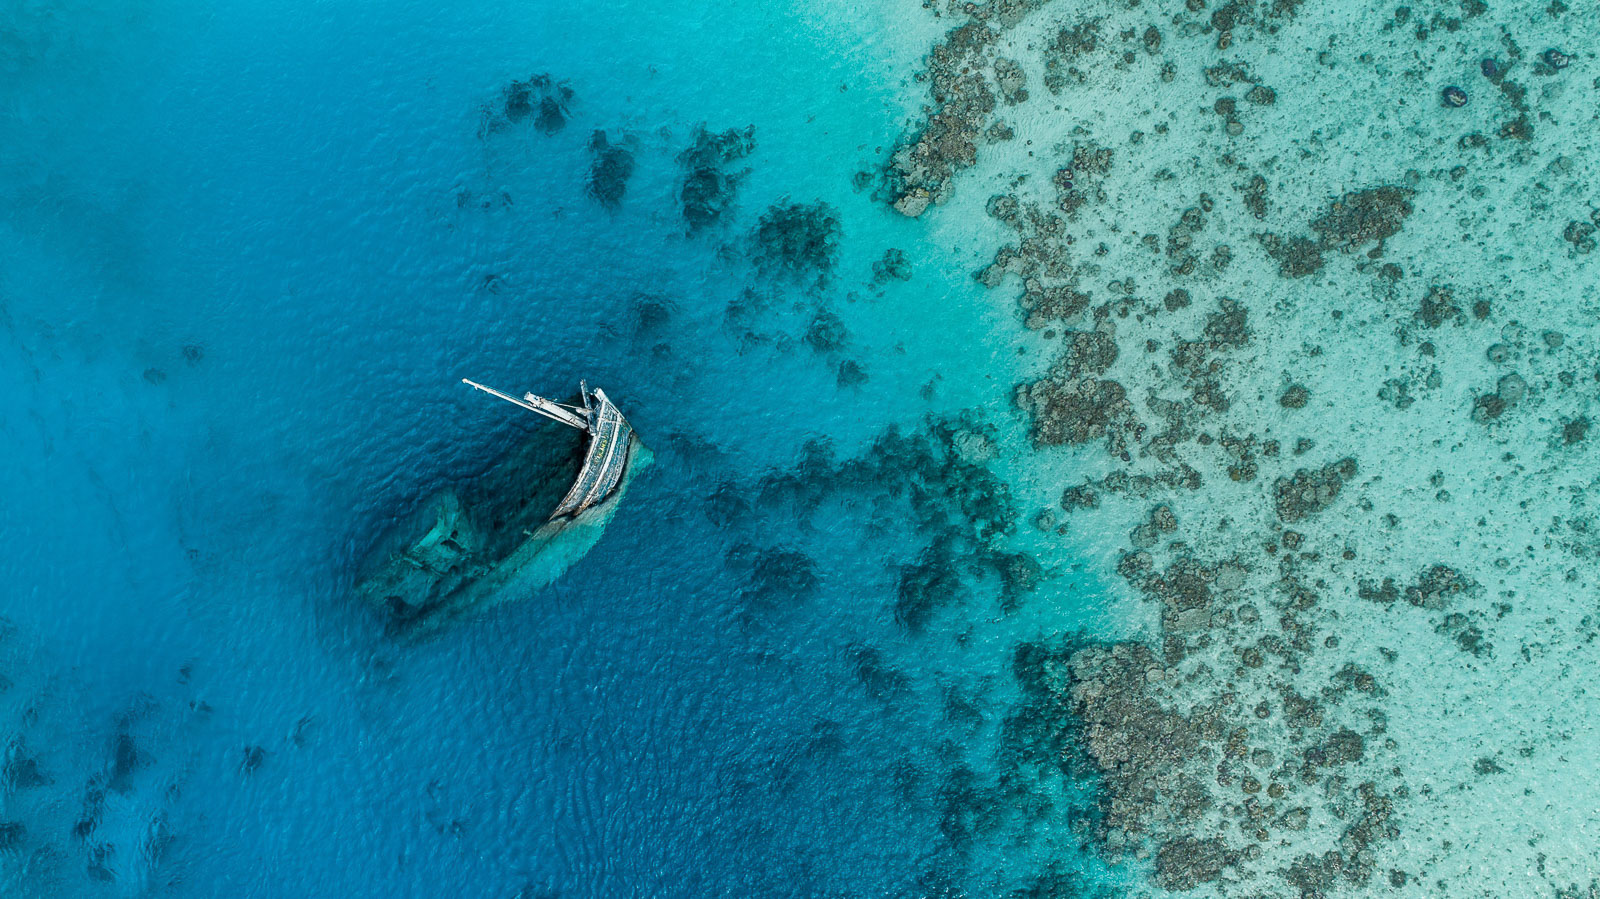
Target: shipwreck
{"points": [[515, 527]]}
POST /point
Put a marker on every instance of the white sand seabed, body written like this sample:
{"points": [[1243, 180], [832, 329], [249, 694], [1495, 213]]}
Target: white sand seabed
{"points": [[1490, 765]]}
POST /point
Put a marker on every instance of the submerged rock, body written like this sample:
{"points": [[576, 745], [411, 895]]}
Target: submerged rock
{"points": [[24, 773], [1437, 586], [1342, 747], [1294, 397], [539, 99], [1467, 635], [1362, 216], [850, 373], [1062, 56], [1438, 306], [1186, 862], [252, 759], [1509, 391], [609, 171], [894, 266], [775, 576], [1135, 741], [1041, 305], [126, 760], [920, 170], [797, 239], [709, 187], [1082, 496], [1580, 235], [881, 680], [1297, 257], [927, 585], [1309, 492], [1075, 411]]}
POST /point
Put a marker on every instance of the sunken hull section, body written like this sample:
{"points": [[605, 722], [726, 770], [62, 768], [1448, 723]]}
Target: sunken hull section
{"points": [[509, 531]]}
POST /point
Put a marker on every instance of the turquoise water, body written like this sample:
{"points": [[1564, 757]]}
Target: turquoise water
{"points": [[251, 251], [1099, 449]]}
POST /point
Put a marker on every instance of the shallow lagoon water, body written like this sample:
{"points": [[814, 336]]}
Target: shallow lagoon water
{"points": [[1316, 372]]}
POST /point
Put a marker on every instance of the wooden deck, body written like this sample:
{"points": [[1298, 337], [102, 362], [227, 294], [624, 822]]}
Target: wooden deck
{"points": [[604, 461]]}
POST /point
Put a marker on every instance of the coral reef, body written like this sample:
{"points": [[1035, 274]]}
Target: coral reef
{"points": [[1337, 395]]}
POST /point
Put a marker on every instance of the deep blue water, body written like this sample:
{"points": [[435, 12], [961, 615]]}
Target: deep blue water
{"points": [[249, 253]]}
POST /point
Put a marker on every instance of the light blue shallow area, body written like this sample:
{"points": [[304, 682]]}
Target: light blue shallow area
{"points": [[301, 196]]}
